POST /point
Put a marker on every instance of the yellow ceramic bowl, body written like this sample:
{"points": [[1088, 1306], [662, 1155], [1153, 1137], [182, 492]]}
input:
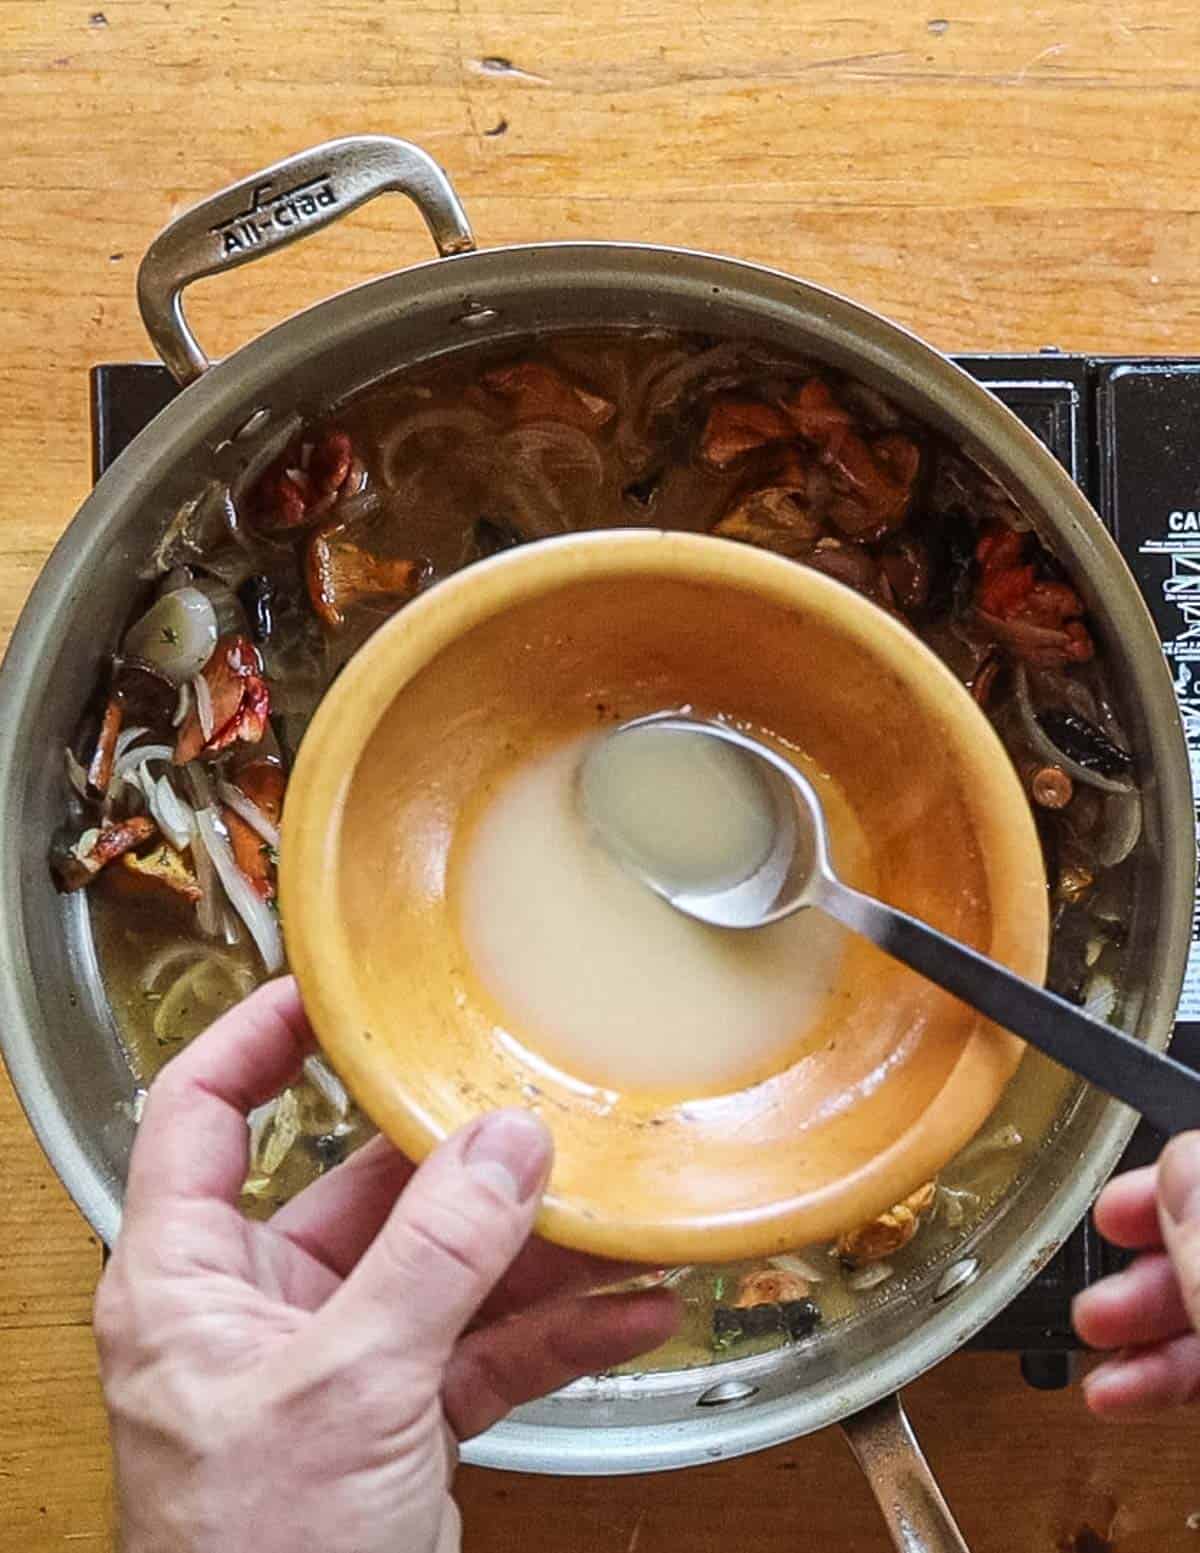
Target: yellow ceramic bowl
{"points": [[518, 651]]}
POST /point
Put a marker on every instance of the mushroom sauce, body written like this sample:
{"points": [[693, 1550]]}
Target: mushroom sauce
{"points": [[258, 594]]}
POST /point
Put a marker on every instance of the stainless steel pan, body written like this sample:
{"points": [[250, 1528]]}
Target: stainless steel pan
{"points": [[56, 1029]]}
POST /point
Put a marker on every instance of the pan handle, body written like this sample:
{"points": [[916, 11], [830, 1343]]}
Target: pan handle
{"points": [[274, 207], [885, 1447]]}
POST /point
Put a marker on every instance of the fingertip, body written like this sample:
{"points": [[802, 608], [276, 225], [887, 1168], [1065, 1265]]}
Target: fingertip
{"points": [[1083, 1308], [510, 1151], [1110, 1389], [1126, 1212]]}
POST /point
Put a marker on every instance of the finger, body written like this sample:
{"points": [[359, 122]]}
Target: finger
{"points": [[447, 1242], [1146, 1380], [544, 1271], [499, 1367], [1179, 1214], [1138, 1306], [192, 1141], [339, 1215], [1126, 1212]]}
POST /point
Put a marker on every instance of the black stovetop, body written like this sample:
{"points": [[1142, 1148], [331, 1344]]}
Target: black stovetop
{"points": [[1128, 432]]}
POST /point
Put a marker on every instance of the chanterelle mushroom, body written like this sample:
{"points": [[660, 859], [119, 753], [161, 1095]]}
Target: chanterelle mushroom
{"points": [[262, 782], [881, 1237], [737, 426], [780, 515], [769, 1286], [240, 702], [340, 573], [161, 872], [872, 480], [538, 393], [303, 484], [95, 849]]}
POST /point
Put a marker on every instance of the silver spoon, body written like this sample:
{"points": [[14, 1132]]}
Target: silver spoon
{"points": [[793, 871]]}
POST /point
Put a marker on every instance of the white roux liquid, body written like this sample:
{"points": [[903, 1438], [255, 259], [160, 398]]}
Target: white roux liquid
{"points": [[592, 972]]}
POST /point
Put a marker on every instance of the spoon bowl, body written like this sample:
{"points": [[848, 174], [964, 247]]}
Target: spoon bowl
{"points": [[795, 871]]}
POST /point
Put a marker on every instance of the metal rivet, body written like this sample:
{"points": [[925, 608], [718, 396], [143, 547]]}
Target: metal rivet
{"points": [[726, 1392], [958, 1276], [255, 421], [477, 317]]}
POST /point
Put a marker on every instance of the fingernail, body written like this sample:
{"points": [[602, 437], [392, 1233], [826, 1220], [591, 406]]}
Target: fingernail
{"points": [[1179, 1178], [1105, 1380], [511, 1152]]}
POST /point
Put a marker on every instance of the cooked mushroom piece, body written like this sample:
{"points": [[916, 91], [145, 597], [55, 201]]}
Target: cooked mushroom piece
{"points": [[96, 848], [738, 426], [873, 481], [99, 771], [883, 1236], [793, 1319], [1038, 619], [161, 873], [260, 785], [534, 392], [776, 518], [340, 573], [237, 702], [1084, 743], [146, 695], [302, 484], [770, 1286]]}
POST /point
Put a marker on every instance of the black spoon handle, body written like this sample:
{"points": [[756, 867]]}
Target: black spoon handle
{"points": [[1165, 1091]]}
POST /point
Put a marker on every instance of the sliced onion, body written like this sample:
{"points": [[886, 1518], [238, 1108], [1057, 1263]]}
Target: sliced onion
{"points": [[1121, 830], [282, 1134], [176, 635], [1045, 746], [956, 1203], [131, 759], [144, 778], [125, 738], [1005, 1137], [329, 1086], [201, 787], [183, 704], [230, 931], [869, 1277], [210, 907], [801, 1266], [260, 920], [1101, 998], [164, 960], [76, 774], [204, 705], [464, 424], [249, 811], [173, 816], [258, 1121]]}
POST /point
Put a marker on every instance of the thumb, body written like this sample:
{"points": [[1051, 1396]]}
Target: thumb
{"points": [[451, 1236], [1179, 1214]]}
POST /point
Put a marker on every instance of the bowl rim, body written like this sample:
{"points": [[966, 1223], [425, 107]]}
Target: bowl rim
{"points": [[324, 960]]}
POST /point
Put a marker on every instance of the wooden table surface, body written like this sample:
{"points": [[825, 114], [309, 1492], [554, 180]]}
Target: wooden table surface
{"points": [[999, 175]]}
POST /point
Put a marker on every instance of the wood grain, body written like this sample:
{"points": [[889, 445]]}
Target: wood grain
{"points": [[992, 175]]}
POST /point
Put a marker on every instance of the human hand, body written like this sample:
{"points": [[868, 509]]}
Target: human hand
{"points": [[1151, 1310], [303, 1383]]}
